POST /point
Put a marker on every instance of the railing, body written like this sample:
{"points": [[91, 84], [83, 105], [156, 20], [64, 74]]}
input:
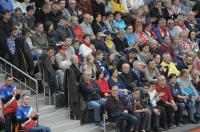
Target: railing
{"points": [[8, 68]]}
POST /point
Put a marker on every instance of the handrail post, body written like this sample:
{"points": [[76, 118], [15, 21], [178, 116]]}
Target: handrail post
{"points": [[37, 107]]}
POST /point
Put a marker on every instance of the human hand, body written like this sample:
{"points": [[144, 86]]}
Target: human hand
{"points": [[156, 111], [125, 111]]}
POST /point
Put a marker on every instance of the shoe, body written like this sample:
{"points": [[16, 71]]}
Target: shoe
{"points": [[194, 122], [163, 129], [172, 126], [179, 125], [97, 123]]}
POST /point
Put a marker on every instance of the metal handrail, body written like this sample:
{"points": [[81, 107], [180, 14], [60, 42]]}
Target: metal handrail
{"points": [[28, 76]]}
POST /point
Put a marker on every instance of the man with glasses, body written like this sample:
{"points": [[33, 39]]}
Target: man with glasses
{"points": [[26, 117], [166, 100], [8, 95], [118, 107]]}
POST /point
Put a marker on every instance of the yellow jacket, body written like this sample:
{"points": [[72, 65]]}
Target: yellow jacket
{"points": [[118, 6], [172, 68]]}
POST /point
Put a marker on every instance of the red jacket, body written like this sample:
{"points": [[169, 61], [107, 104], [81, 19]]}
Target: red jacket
{"points": [[104, 86], [167, 97]]}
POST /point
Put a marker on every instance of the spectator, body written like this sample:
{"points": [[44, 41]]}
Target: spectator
{"points": [[167, 11], [86, 25], [131, 38], [6, 24], [18, 19], [87, 42], [127, 77], [89, 64], [121, 42], [192, 39], [118, 108], [91, 94], [157, 11], [166, 100], [25, 4], [63, 30], [196, 62], [118, 21], [39, 39], [188, 89], [181, 100], [171, 29], [150, 71], [111, 60], [41, 14], [99, 42], [64, 11], [51, 34], [180, 26], [161, 30], [109, 22], [55, 14], [98, 7], [69, 51], [9, 93], [144, 54], [138, 73], [168, 66], [186, 63], [97, 24], [29, 18], [141, 37], [138, 109], [73, 10], [109, 42], [26, 117], [77, 29], [102, 83]]}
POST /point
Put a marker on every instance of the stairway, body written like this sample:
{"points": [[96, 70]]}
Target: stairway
{"points": [[57, 119]]}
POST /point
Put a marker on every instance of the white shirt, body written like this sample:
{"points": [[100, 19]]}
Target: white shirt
{"points": [[153, 97]]}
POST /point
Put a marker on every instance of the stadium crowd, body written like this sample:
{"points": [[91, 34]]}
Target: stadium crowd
{"points": [[138, 59]]}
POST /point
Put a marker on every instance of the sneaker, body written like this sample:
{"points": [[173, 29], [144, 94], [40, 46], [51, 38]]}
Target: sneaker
{"points": [[179, 125], [194, 122], [172, 126], [163, 129], [97, 123]]}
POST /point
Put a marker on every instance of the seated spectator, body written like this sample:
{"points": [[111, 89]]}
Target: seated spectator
{"points": [[190, 22], [109, 22], [98, 6], [29, 18], [89, 64], [84, 6], [55, 14], [87, 41], [51, 34], [118, 108], [6, 23], [99, 42], [129, 57], [167, 10], [171, 29], [114, 80], [118, 21], [157, 11], [98, 25], [153, 46], [69, 50], [192, 39], [111, 60], [25, 4], [196, 62], [26, 117], [86, 26], [42, 12], [144, 54], [168, 66], [194, 74], [102, 83], [188, 89], [109, 42], [186, 63], [180, 26], [18, 19], [139, 110], [117, 6], [64, 11], [177, 8], [181, 100], [100, 64], [151, 72], [91, 94], [166, 100], [159, 117], [127, 77], [73, 9], [121, 42], [167, 47], [39, 39], [157, 60], [77, 29], [141, 37], [131, 38], [161, 30], [138, 73], [148, 31], [63, 30]]}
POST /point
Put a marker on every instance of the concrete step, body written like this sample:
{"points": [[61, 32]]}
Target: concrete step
{"points": [[84, 128], [45, 109]]}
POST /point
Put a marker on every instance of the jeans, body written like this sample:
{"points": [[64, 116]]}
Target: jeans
{"points": [[39, 129], [60, 80], [190, 109], [144, 120], [179, 112], [125, 121], [96, 105], [10, 122], [159, 120]]}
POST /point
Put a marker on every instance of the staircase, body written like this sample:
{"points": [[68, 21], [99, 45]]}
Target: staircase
{"points": [[57, 119]]}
